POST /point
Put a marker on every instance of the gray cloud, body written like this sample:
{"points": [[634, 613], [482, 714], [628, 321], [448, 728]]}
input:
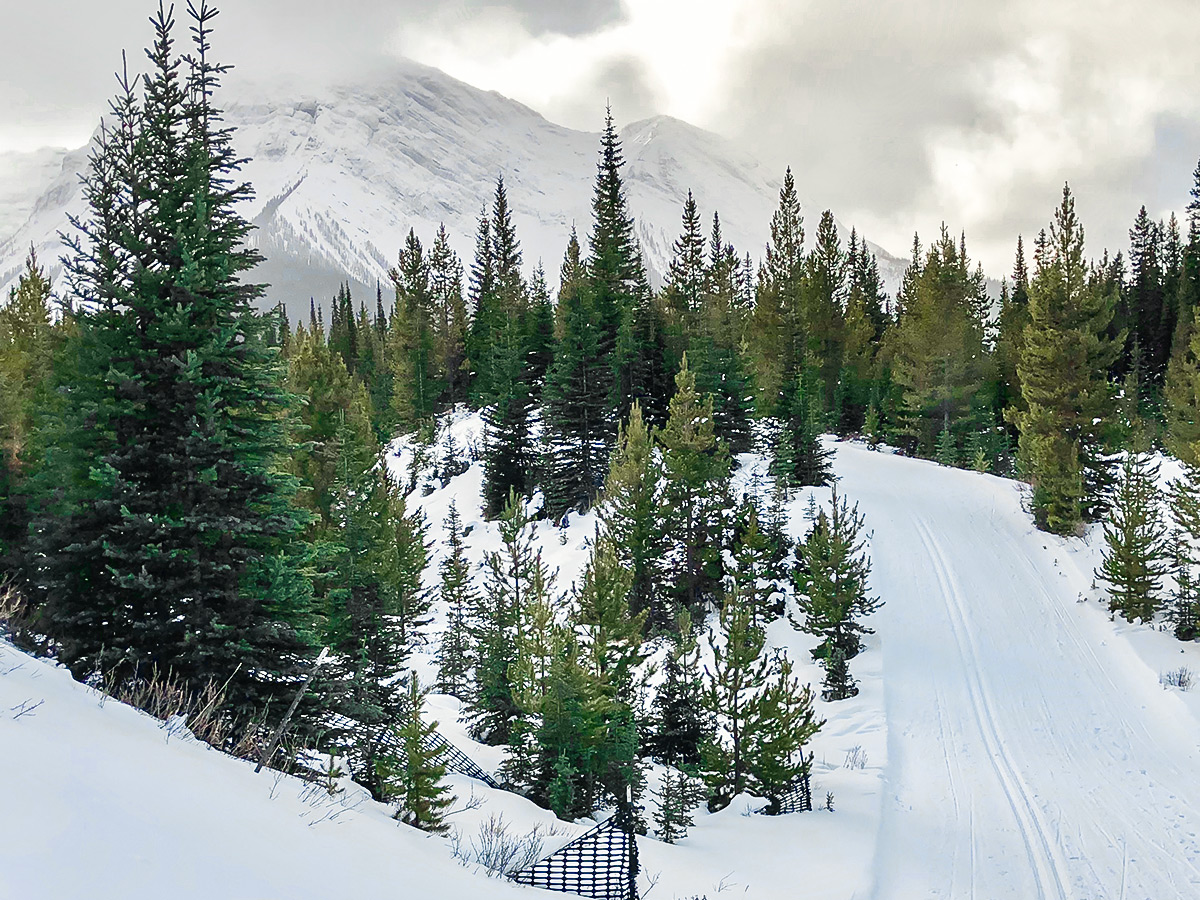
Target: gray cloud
{"points": [[895, 115]]}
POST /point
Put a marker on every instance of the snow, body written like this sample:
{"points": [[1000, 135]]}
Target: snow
{"points": [[1032, 751], [1009, 741]]}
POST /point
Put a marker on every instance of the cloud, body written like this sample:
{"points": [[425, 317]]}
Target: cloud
{"points": [[897, 116]]}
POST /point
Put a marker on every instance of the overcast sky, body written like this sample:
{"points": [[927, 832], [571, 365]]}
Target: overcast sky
{"points": [[896, 115]]}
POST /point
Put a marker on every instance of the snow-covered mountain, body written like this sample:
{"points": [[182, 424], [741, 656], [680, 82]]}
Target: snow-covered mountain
{"points": [[341, 175]]}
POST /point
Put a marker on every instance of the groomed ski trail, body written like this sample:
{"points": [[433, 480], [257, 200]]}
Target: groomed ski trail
{"points": [[1030, 755]]}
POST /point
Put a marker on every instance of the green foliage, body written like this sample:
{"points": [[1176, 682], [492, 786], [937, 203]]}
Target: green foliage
{"points": [[937, 346], [763, 716], [696, 485], [1136, 553], [166, 532], [1063, 371], [28, 346], [831, 590], [412, 778], [460, 598], [632, 518], [577, 387]]}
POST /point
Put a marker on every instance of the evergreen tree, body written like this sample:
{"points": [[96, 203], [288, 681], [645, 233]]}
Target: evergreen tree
{"points": [[28, 345], [763, 717], [823, 299], [461, 600], [1135, 536], [167, 535], [411, 351], [1063, 372], [576, 397], [696, 480], [333, 403], [799, 458], [539, 329], [632, 518], [831, 591], [938, 355], [508, 460], [375, 605], [450, 313], [413, 779], [677, 794], [1145, 295], [679, 724], [500, 298], [616, 280], [776, 324], [496, 624]]}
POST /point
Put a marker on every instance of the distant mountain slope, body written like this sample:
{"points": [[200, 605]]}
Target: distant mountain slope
{"points": [[342, 175]]}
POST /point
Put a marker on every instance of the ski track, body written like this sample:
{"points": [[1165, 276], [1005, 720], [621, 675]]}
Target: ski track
{"points": [[1029, 754]]}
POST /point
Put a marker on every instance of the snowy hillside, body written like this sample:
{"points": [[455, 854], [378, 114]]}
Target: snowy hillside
{"points": [[342, 175], [1014, 743], [23, 179]]}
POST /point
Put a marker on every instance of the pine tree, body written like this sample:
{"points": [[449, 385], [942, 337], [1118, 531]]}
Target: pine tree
{"points": [[495, 625], [450, 315], [508, 443], [678, 721], [831, 591], [676, 795], [167, 534], [696, 479], [458, 594], [764, 717], [632, 518], [413, 779], [28, 346], [1135, 536], [576, 397], [799, 458], [500, 298], [539, 329], [616, 280], [411, 351], [1063, 372], [333, 400], [776, 324], [823, 299], [938, 354], [1183, 604], [1145, 297]]}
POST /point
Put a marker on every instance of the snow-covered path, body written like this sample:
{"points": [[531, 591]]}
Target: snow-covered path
{"points": [[1029, 754]]}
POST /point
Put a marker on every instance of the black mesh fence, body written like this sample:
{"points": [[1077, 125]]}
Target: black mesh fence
{"points": [[602, 863], [796, 798], [446, 753]]}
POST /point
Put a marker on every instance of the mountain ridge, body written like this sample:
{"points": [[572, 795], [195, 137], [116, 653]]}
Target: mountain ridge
{"points": [[342, 173]]}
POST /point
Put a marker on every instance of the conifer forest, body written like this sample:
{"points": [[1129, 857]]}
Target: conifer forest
{"points": [[599, 530]]}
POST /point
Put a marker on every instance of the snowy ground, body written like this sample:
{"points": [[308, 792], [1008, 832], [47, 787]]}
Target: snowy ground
{"points": [[1017, 744]]}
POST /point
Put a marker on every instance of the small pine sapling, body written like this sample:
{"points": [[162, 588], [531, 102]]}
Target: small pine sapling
{"points": [[412, 778]]}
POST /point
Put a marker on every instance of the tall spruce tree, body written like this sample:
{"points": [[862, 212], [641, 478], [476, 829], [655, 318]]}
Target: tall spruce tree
{"points": [[167, 533], [776, 324], [577, 400], [617, 282], [1064, 379]]}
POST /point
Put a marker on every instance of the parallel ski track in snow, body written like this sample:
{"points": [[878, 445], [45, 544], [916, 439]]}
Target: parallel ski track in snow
{"points": [[1031, 754], [1038, 845]]}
